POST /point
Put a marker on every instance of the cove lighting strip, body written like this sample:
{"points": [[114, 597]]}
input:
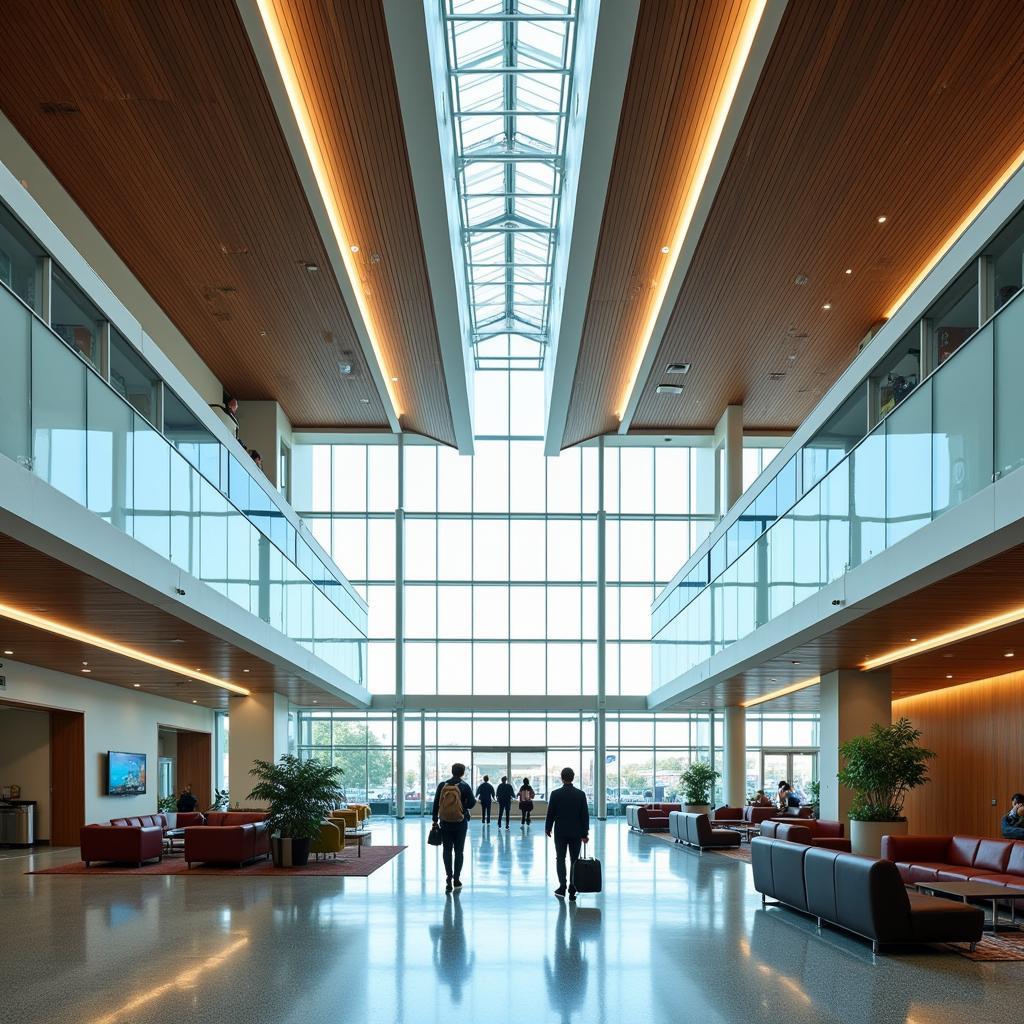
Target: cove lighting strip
{"points": [[794, 688], [1013, 167], [323, 183], [714, 135], [943, 639], [94, 640]]}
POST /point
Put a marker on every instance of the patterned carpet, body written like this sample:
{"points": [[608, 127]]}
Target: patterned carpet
{"points": [[1001, 946], [741, 852], [348, 865]]}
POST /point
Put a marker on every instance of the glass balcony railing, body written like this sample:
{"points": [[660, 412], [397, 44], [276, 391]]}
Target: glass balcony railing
{"points": [[63, 422], [960, 430]]}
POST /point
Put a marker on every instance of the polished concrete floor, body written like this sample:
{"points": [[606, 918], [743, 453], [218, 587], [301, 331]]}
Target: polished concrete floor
{"points": [[674, 936]]}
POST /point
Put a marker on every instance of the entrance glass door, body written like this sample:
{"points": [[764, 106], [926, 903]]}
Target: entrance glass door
{"points": [[518, 764], [798, 768]]}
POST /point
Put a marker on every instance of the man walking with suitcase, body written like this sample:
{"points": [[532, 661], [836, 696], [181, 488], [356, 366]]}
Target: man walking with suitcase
{"points": [[569, 819]]}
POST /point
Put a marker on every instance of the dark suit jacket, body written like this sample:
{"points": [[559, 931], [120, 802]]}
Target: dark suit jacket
{"points": [[505, 793], [568, 813], [485, 792]]}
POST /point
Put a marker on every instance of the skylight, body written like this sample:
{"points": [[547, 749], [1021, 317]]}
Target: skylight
{"points": [[509, 87]]}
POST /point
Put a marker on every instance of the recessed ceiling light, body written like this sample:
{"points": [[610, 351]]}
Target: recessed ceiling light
{"points": [[195, 702], [311, 268], [345, 369], [365, 401], [801, 279], [8, 652], [794, 663], [913, 639], [354, 248], [669, 389], [1008, 654], [949, 675], [86, 669], [828, 305], [136, 685], [245, 670], [315, 701], [85, 663], [882, 219], [665, 250], [395, 379], [677, 368], [849, 270]]}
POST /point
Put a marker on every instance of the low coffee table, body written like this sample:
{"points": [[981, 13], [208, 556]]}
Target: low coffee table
{"points": [[358, 836], [174, 840], [745, 829], [966, 891]]}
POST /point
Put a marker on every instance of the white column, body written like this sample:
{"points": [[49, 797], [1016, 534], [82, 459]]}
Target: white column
{"points": [[258, 730], [600, 759], [729, 438], [735, 759], [400, 635], [851, 702]]}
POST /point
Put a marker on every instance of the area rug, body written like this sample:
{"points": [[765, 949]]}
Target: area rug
{"points": [[741, 852], [1001, 946], [348, 866]]}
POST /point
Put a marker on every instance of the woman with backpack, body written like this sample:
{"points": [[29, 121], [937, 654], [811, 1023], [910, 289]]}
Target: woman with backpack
{"points": [[450, 812], [526, 795]]}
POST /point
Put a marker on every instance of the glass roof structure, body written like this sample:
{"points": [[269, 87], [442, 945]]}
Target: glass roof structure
{"points": [[509, 86]]}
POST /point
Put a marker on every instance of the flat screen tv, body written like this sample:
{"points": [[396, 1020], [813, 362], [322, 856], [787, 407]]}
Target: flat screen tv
{"points": [[126, 773]]}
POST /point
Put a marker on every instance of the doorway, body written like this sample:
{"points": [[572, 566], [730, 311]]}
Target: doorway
{"points": [[798, 767], [521, 763]]}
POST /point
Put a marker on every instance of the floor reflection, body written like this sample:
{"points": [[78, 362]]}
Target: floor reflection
{"points": [[566, 970], [453, 960]]}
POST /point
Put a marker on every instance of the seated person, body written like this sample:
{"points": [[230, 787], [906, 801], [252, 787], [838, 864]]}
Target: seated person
{"points": [[787, 798], [1013, 820], [187, 802], [760, 800]]}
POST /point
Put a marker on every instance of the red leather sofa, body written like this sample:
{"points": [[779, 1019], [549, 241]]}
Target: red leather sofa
{"points": [[228, 837], [956, 859], [755, 815], [808, 831], [127, 844], [650, 817]]}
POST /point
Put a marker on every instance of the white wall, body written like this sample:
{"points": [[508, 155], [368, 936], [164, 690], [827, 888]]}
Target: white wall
{"points": [[259, 731], [25, 760], [115, 719]]}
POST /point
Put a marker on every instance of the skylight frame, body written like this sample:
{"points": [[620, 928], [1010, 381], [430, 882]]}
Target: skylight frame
{"points": [[509, 90]]}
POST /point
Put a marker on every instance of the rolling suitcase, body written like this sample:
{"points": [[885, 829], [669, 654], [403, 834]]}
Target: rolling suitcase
{"points": [[586, 873]]}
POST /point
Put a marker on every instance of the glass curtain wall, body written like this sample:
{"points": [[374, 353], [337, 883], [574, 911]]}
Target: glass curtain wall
{"points": [[645, 753], [501, 548]]}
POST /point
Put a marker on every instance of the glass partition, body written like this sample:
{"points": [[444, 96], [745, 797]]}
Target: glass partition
{"points": [[84, 439], [947, 441]]}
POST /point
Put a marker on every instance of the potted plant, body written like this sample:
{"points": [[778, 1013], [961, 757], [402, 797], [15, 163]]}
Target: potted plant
{"points": [[881, 769], [814, 798], [299, 795], [697, 781], [220, 800], [167, 805]]}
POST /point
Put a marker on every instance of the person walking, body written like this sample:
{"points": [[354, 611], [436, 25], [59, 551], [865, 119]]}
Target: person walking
{"points": [[450, 813], [504, 795], [485, 796], [568, 819], [526, 795]]}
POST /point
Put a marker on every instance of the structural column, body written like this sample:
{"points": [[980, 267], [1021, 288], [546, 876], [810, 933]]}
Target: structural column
{"points": [[257, 730], [735, 757], [400, 635], [851, 703], [729, 439], [600, 748]]}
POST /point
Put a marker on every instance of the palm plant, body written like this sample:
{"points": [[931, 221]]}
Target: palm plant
{"points": [[299, 794], [882, 768]]}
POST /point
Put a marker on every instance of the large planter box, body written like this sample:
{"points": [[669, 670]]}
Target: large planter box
{"points": [[866, 836]]}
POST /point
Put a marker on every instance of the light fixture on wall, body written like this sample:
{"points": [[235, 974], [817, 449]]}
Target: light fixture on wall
{"points": [[104, 643]]}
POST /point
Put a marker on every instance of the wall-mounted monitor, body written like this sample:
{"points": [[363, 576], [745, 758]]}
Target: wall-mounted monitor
{"points": [[126, 774]]}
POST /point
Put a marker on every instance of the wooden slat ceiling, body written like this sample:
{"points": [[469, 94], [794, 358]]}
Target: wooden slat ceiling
{"points": [[865, 108], [989, 588], [156, 119], [38, 583], [342, 60]]}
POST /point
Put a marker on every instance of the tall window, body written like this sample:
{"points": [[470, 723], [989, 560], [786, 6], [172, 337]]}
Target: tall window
{"points": [[501, 548]]}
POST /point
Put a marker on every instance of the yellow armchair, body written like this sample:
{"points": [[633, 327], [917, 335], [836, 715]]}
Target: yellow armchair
{"points": [[331, 839], [348, 815], [363, 809]]}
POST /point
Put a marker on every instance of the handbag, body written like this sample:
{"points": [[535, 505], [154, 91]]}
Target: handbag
{"points": [[434, 836], [586, 874]]}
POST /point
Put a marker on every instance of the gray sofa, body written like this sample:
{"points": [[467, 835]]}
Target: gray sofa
{"points": [[695, 830], [863, 895]]}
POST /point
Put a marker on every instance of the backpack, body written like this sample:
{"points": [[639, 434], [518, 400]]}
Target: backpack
{"points": [[449, 807]]}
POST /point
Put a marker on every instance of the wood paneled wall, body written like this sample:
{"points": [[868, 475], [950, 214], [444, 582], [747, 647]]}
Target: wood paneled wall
{"points": [[195, 764], [976, 730], [67, 777]]}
